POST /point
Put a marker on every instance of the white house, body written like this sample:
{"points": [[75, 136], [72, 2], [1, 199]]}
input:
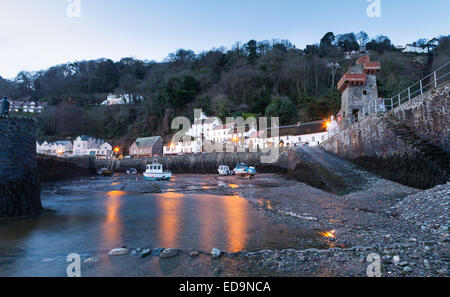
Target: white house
{"points": [[211, 130], [120, 100], [222, 133], [57, 148], [27, 107], [90, 146], [184, 147], [311, 134], [203, 127]]}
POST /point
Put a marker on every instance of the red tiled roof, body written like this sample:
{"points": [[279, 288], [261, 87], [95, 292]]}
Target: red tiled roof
{"points": [[372, 67], [363, 60], [351, 79]]}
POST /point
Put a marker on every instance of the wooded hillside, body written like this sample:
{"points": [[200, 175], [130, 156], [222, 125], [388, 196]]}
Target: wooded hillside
{"points": [[272, 78]]}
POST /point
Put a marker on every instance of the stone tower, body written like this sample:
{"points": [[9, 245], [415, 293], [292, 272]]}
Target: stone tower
{"points": [[359, 91]]}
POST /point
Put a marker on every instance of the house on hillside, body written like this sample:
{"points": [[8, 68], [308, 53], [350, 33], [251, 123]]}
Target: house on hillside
{"points": [[147, 147], [27, 107], [121, 99]]}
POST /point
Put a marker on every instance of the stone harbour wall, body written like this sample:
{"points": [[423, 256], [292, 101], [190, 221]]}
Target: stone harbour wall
{"points": [[197, 163], [20, 190]]}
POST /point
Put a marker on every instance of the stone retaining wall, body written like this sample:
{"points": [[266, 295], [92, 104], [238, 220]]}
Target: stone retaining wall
{"points": [[427, 115], [20, 191], [198, 163], [409, 144]]}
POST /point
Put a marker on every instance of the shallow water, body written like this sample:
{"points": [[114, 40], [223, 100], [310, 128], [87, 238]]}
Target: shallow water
{"points": [[90, 223]]}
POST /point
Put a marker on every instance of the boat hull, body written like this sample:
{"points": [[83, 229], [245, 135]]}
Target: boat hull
{"points": [[245, 175], [157, 177], [245, 172]]}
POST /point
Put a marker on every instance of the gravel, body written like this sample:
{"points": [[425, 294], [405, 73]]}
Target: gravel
{"points": [[428, 209]]}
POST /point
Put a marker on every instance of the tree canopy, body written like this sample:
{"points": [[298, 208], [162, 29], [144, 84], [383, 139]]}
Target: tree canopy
{"points": [[266, 78]]}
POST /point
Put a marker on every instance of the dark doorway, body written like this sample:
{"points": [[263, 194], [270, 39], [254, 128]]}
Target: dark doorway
{"points": [[355, 114]]}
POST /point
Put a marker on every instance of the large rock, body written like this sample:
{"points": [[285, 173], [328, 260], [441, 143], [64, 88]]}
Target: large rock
{"points": [[216, 253], [169, 253], [119, 252]]}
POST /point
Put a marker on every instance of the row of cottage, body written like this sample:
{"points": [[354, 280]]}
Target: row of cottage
{"points": [[203, 130], [206, 129], [82, 146]]}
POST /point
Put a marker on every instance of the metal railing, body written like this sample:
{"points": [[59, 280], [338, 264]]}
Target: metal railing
{"points": [[431, 81]]}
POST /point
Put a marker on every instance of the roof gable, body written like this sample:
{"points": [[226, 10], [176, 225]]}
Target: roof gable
{"points": [[302, 129], [147, 141]]}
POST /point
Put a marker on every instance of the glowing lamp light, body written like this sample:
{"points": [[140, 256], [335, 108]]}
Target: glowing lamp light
{"points": [[329, 234], [117, 150]]}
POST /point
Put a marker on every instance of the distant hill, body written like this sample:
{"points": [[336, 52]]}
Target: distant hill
{"points": [[272, 78]]}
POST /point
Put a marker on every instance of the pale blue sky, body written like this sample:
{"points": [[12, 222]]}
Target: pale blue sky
{"points": [[35, 35]]}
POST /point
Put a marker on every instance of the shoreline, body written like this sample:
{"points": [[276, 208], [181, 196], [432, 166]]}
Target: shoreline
{"points": [[352, 227]]}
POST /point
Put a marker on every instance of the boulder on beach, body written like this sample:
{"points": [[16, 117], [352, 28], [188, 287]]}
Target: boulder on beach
{"points": [[157, 252], [169, 253], [146, 253], [216, 253], [119, 252]]}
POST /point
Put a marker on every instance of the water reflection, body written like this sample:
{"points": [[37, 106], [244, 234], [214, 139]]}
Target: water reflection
{"points": [[91, 223], [169, 219], [235, 210], [214, 221], [112, 227]]}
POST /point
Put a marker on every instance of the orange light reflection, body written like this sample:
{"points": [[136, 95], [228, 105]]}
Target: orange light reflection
{"points": [[112, 226], [236, 223], [169, 221]]}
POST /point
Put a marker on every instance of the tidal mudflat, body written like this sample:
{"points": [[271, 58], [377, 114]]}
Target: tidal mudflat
{"points": [[267, 226]]}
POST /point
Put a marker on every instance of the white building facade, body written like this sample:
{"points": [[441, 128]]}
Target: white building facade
{"points": [[90, 146], [121, 99], [27, 107], [247, 137], [57, 148], [309, 134]]}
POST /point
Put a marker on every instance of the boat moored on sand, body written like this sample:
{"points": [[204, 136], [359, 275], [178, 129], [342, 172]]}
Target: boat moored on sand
{"points": [[155, 172], [224, 170], [242, 170]]}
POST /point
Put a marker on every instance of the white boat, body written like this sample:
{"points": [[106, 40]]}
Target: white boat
{"points": [[154, 172], [224, 170]]}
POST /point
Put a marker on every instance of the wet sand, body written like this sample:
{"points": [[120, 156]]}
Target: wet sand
{"points": [[267, 226]]}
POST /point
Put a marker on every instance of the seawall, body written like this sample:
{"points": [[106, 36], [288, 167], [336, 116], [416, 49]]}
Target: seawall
{"points": [[198, 163], [409, 144], [53, 169], [20, 190]]}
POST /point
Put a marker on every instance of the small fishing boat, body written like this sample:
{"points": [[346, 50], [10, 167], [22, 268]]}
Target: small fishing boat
{"points": [[224, 170], [132, 171], [155, 172], [242, 170], [106, 172]]}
